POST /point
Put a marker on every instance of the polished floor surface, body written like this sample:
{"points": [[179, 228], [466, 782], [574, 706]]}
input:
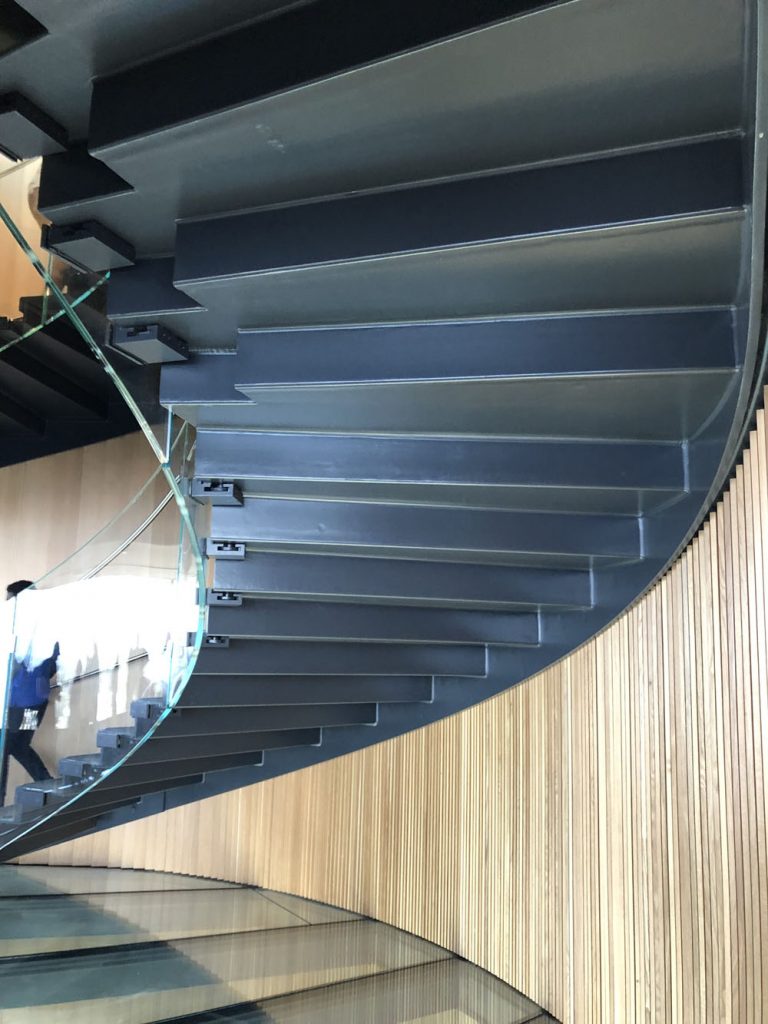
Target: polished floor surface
{"points": [[83, 945]]}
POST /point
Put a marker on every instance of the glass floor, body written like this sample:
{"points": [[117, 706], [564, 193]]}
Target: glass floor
{"points": [[83, 945]]}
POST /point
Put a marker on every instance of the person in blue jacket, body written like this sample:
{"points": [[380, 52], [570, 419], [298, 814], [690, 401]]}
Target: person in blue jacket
{"points": [[30, 690]]}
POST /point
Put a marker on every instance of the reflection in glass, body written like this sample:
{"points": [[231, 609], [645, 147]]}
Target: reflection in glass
{"points": [[116, 622], [221, 952], [38, 880], [122, 619]]}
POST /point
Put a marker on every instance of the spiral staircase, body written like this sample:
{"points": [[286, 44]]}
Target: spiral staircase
{"points": [[464, 304]]}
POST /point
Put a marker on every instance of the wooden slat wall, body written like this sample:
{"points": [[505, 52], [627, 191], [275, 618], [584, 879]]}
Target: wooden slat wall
{"points": [[50, 506], [596, 837]]}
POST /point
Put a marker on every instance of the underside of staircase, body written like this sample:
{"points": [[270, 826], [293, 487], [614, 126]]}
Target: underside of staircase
{"points": [[464, 302]]}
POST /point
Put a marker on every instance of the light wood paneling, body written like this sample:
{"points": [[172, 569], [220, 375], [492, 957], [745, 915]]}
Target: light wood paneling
{"points": [[50, 506], [596, 836]]}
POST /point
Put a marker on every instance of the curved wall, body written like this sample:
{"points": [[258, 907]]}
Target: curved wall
{"points": [[596, 836]]}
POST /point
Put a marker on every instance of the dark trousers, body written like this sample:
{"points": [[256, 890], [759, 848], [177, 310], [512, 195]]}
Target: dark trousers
{"points": [[18, 744]]}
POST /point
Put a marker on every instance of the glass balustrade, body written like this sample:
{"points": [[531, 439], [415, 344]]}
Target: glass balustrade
{"points": [[116, 623], [95, 652], [146, 948]]}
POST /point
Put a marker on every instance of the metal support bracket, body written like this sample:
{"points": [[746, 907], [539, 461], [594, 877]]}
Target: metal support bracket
{"points": [[216, 640], [227, 598], [216, 492], [230, 549]]}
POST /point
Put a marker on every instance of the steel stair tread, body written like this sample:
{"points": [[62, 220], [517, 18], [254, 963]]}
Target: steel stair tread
{"points": [[404, 582], [276, 657], [301, 620], [262, 691], [442, 533]]}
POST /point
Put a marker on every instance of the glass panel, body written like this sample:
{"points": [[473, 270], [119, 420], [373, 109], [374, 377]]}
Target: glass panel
{"points": [[309, 911], [40, 291], [102, 645], [450, 992], [114, 919], [225, 954], [38, 880], [139, 985], [117, 622]]}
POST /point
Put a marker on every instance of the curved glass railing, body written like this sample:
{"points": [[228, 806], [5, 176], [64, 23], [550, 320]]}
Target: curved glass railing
{"points": [[98, 649], [95, 652], [27, 301]]}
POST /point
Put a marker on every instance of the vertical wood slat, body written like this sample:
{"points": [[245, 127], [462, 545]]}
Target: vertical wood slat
{"points": [[596, 836]]}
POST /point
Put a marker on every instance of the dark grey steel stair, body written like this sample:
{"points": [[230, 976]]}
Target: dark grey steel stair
{"points": [[401, 581], [258, 691], [302, 620], [685, 180], [562, 378], [472, 315], [520, 474], [193, 722], [160, 771], [331, 145], [504, 537], [173, 751]]}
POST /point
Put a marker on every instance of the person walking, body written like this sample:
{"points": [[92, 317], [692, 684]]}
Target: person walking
{"points": [[30, 690]]}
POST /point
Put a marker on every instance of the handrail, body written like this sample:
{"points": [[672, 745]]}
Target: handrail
{"points": [[98, 671]]}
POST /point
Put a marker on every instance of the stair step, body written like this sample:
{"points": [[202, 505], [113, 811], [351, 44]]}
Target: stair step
{"points": [[76, 364], [347, 579], [643, 376], [148, 707], [17, 417], [35, 308], [312, 142], [187, 748], [119, 796], [682, 263], [115, 742], [307, 620], [559, 540], [676, 181], [55, 394], [568, 227], [38, 383], [533, 346], [69, 179], [259, 691], [197, 722], [156, 95], [39, 795], [130, 773], [80, 766], [562, 475], [46, 834], [275, 657], [605, 268], [20, 28], [115, 737], [25, 130]]}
